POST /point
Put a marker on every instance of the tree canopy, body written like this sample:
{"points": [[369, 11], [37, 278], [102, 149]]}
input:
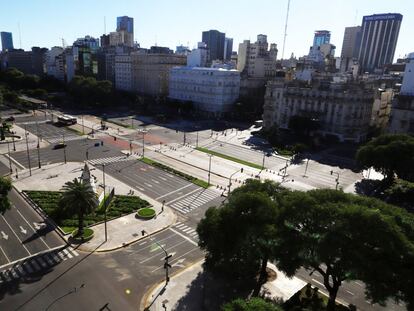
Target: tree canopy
{"points": [[239, 236], [5, 187], [303, 126], [254, 304], [87, 90], [390, 154]]}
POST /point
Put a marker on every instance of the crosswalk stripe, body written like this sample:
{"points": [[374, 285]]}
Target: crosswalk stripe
{"points": [[188, 230], [67, 253], [60, 256], [74, 252], [180, 226]]}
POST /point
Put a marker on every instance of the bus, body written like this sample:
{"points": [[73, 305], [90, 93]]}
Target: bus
{"points": [[67, 119]]}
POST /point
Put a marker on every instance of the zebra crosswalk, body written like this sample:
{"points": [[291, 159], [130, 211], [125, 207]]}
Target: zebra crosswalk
{"points": [[186, 230], [193, 200], [109, 160], [36, 263], [59, 139]]}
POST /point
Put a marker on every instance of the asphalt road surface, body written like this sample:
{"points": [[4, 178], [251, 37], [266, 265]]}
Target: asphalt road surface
{"points": [[24, 233], [76, 151], [51, 133]]}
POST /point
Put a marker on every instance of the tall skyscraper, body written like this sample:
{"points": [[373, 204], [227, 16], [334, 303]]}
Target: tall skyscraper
{"points": [[349, 47], [228, 48], [378, 39], [321, 37], [6, 41], [215, 44], [126, 24]]}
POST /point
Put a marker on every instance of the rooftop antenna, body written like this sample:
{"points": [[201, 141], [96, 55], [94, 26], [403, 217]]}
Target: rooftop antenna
{"points": [[285, 34], [155, 40], [20, 35], [105, 25], [356, 17]]}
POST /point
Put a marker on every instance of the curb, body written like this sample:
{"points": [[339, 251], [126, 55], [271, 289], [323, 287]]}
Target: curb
{"points": [[132, 241], [144, 300], [14, 161]]}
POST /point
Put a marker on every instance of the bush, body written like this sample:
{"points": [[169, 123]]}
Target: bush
{"points": [[87, 235], [146, 213]]}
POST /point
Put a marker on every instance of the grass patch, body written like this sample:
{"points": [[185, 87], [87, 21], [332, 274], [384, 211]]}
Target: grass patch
{"points": [[120, 124], [87, 234], [77, 132], [48, 201], [227, 157], [284, 152], [146, 213], [190, 178]]}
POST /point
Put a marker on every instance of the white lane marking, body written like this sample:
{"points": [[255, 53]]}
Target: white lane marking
{"points": [[350, 292], [159, 248], [184, 195], [1, 248], [156, 181], [22, 230], [317, 282], [5, 236], [171, 192], [149, 185], [165, 179], [358, 283], [74, 252], [176, 259], [180, 226], [184, 237], [24, 246], [142, 243], [188, 230], [150, 245]]}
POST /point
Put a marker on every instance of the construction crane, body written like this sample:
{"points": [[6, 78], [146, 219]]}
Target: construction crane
{"points": [[63, 43], [286, 23]]}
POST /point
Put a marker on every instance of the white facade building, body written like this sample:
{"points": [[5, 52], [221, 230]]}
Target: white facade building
{"points": [[55, 63], [123, 72], [197, 58], [212, 90], [407, 87]]}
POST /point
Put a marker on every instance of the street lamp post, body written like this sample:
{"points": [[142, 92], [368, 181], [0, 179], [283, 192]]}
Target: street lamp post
{"points": [[38, 145], [239, 170], [336, 179], [209, 169], [197, 140], [83, 126], [306, 168], [166, 264], [130, 146], [10, 163], [143, 143], [74, 290], [104, 201], [14, 145], [27, 149], [263, 163], [184, 138], [64, 147]]}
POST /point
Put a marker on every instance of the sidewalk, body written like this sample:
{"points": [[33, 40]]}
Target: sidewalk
{"points": [[186, 291], [121, 231]]}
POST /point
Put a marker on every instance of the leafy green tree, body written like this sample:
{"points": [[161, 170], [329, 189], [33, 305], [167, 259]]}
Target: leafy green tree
{"points": [[345, 237], [254, 304], [5, 187], [78, 198], [239, 237], [273, 135], [390, 154], [1, 98]]}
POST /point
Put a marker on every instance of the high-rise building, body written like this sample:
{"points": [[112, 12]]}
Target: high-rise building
{"points": [[378, 39], [87, 41], [228, 48], [125, 23], [215, 44], [321, 37], [349, 47], [105, 40], [6, 41]]}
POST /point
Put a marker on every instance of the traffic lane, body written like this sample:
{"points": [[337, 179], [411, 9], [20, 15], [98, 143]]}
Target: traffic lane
{"points": [[35, 221], [48, 130], [148, 253], [102, 285], [4, 169], [22, 119], [10, 243], [349, 293], [150, 180]]}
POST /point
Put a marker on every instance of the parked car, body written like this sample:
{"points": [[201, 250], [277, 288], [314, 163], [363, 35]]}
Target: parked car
{"points": [[59, 146]]}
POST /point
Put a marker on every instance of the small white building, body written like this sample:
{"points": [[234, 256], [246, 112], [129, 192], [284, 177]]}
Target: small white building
{"points": [[55, 63], [212, 90]]}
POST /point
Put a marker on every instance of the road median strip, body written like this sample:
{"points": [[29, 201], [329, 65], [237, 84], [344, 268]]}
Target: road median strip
{"points": [[230, 158], [169, 169]]}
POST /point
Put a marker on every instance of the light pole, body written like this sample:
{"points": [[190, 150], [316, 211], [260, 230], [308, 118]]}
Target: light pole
{"points": [[27, 149], [74, 290], [38, 145], [14, 145], [83, 126], [104, 200], [239, 170], [143, 142], [10, 163], [130, 146], [184, 138], [209, 168], [306, 168], [166, 264], [64, 147], [263, 163], [337, 179]]}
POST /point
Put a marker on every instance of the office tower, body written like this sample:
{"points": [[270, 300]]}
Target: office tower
{"points": [[105, 40], [215, 44], [6, 41], [378, 39], [349, 47], [126, 24], [321, 37], [228, 48]]}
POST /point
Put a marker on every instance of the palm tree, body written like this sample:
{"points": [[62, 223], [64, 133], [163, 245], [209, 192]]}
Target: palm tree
{"points": [[78, 197]]}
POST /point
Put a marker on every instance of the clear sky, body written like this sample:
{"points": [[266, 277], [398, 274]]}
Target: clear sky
{"points": [[173, 22]]}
